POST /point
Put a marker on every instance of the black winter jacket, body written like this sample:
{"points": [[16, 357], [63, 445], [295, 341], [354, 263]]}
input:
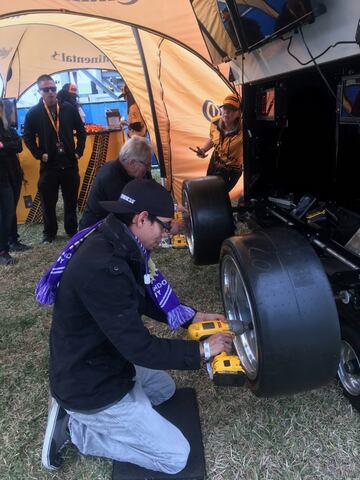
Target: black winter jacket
{"points": [[40, 136], [9, 162], [97, 333]]}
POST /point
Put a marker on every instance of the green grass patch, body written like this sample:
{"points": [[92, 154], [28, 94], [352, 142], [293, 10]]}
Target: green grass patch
{"points": [[313, 435]]}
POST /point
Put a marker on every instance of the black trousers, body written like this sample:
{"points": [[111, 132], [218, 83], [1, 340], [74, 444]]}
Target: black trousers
{"points": [[15, 183], [7, 212], [49, 182], [229, 175]]}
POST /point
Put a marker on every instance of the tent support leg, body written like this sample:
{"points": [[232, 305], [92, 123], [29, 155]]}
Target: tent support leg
{"points": [[160, 156]]}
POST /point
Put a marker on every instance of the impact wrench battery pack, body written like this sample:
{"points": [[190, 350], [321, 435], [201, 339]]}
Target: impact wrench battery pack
{"points": [[226, 369]]}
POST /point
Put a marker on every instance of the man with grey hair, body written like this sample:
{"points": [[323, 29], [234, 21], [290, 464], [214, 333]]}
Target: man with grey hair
{"points": [[134, 162]]}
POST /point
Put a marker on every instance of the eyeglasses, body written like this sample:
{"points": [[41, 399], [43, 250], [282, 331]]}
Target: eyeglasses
{"points": [[165, 225], [147, 165], [49, 89]]}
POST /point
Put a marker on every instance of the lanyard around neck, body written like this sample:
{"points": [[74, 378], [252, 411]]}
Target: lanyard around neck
{"points": [[57, 125]]}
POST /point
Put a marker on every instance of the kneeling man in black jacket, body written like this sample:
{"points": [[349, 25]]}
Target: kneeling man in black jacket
{"points": [[106, 369]]}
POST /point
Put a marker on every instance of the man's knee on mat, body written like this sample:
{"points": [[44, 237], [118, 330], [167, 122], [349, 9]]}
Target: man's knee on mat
{"points": [[176, 460]]}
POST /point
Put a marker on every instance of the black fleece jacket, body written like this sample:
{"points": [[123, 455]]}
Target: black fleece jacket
{"points": [[108, 185], [97, 333], [40, 136]]}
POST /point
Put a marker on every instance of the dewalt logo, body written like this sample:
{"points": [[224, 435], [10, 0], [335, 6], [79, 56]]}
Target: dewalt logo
{"points": [[210, 110]]}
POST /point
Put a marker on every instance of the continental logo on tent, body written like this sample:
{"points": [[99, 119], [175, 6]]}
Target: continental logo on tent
{"points": [[122, 2], [210, 110], [71, 58], [4, 52]]}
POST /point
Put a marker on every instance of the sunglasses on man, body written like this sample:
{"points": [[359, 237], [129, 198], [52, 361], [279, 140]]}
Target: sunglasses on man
{"points": [[48, 89], [165, 225]]}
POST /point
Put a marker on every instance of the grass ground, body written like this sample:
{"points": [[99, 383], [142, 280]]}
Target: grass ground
{"points": [[313, 435]]}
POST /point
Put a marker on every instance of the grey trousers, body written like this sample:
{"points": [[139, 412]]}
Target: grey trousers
{"points": [[131, 430]]}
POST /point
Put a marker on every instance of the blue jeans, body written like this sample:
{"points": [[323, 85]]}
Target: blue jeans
{"points": [[131, 430], [7, 213]]}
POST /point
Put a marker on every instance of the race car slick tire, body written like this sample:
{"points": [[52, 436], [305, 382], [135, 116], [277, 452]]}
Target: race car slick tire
{"points": [[349, 365], [279, 302], [210, 218]]}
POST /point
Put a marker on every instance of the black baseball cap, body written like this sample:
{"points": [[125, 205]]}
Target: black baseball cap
{"points": [[142, 195]]}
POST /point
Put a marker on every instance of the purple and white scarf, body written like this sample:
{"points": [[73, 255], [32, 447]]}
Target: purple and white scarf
{"points": [[156, 284], [46, 287], [161, 292]]}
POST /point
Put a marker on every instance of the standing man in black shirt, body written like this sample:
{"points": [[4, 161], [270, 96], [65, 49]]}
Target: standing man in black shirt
{"points": [[48, 134]]}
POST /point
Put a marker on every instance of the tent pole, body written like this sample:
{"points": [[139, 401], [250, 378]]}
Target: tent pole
{"points": [[152, 104]]}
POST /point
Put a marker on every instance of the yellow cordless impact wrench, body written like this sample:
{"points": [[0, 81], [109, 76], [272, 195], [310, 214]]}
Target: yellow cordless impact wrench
{"points": [[226, 370]]}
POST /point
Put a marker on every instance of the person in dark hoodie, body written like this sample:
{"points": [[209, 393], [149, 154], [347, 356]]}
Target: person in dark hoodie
{"points": [[10, 185], [48, 134], [69, 93]]}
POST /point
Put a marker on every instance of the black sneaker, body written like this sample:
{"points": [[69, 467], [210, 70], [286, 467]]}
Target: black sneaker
{"points": [[6, 259], [19, 247], [56, 436], [47, 240]]}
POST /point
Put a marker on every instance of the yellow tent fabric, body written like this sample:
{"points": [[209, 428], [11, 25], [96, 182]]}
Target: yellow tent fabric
{"points": [[214, 33], [185, 88], [174, 19], [56, 49]]}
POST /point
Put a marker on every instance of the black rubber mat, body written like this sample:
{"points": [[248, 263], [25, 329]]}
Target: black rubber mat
{"points": [[181, 410]]}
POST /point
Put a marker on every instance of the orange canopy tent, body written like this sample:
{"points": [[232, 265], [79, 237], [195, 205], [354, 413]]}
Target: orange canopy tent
{"points": [[156, 45]]}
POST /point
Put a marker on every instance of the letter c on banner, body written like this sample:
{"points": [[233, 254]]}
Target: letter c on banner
{"points": [[210, 110]]}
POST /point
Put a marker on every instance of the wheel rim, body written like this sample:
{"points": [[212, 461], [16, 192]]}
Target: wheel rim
{"points": [[240, 314], [189, 229], [350, 381]]}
